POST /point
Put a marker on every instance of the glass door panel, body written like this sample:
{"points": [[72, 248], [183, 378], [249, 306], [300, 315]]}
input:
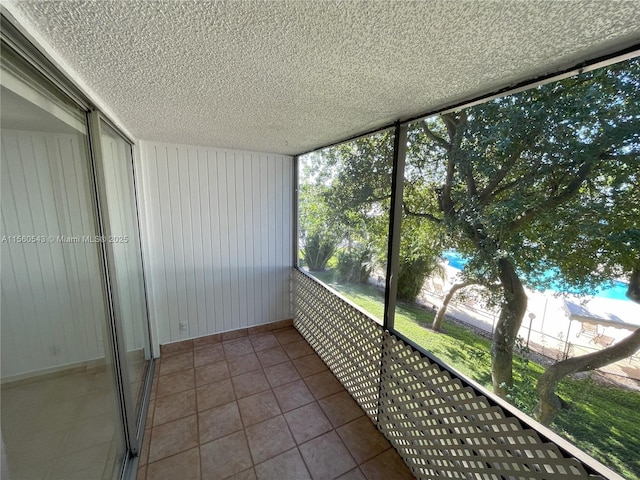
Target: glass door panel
{"points": [[61, 415], [125, 261]]}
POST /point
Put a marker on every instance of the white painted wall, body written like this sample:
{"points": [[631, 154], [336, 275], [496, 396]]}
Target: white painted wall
{"points": [[52, 307], [218, 238]]}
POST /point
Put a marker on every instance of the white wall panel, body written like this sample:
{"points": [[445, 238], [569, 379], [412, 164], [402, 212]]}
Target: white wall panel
{"points": [[52, 301], [218, 229]]}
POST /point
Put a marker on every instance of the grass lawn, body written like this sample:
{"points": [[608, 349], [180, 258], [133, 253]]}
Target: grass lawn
{"points": [[602, 421]]}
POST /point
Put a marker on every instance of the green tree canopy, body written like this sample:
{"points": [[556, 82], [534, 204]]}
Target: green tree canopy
{"points": [[543, 180], [546, 179], [346, 189], [355, 183]]}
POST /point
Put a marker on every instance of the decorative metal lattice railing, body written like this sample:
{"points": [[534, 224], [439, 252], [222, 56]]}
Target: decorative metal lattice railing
{"points": [[441, 426], [350, 346]]}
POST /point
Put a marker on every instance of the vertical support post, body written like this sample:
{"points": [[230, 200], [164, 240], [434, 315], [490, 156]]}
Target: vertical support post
{"points": [[565, 354], [531, 317], [395, 218], [294, 220], [294, 246], [544, 315]]}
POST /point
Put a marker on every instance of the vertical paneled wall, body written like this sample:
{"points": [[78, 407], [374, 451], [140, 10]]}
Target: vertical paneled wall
{"points": [[52, 304], [218, 238]]}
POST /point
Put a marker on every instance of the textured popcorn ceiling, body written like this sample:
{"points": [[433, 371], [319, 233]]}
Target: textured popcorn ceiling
{"points": [[288, 76]]}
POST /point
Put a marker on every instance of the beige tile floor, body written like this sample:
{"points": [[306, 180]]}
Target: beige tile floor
{"points": [[62, 426], [260, 406]]}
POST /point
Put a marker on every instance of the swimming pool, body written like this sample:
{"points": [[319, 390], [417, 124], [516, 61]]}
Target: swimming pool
{"points": [[455, 259], [616, 291]]}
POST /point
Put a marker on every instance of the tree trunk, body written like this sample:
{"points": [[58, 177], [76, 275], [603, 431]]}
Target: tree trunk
{"points": [[437, 322], [549, 403], [633, 292], [514, 306]]}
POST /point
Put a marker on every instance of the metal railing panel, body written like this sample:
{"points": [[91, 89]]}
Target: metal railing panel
{"points": [[346, 339], [441, 425]]}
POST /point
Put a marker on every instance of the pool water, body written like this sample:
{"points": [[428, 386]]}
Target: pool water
{"points": [[616, 291], [455, 259]]}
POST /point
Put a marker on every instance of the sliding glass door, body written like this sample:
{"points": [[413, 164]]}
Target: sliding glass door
{"points": [[76, 358], [61, 415], [116, 187]]}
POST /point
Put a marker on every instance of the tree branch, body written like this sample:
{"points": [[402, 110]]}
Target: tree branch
{"points": [[549, 404], [472, 189], [455, 128], [436, 138], [633, 291], [515, 182], [437, 321], [451, 123], [377, 199], [500, 175], [428, 216], [552, 202]]}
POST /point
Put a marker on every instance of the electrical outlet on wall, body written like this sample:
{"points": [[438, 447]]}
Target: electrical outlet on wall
{"points": [[183, 325]]}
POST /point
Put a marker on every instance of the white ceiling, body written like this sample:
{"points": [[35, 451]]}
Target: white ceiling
{"points": [[289, 76]]}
